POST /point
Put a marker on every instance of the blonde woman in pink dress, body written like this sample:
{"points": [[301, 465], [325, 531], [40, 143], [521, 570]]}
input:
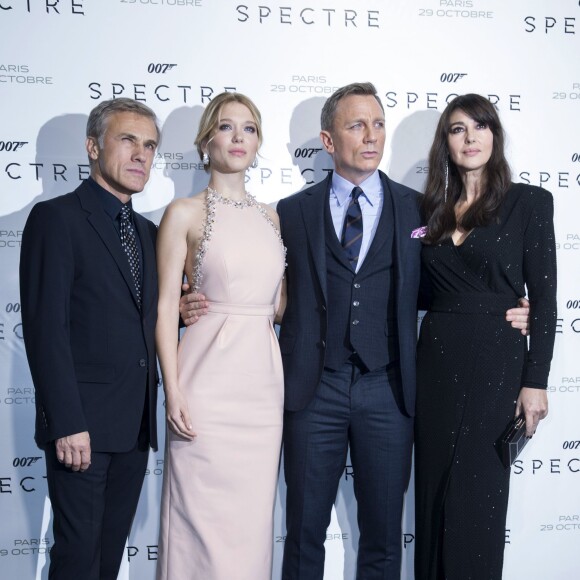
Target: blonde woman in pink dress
{"points": [[223, 381]]}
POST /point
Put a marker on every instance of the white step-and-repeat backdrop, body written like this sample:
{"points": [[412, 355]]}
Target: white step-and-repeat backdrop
{"points": [[58, 58]]}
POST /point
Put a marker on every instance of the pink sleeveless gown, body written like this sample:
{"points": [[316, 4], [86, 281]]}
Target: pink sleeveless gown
{"points": [[219, 490]]}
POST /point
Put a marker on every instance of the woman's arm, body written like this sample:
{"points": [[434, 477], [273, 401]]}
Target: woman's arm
{"points": [[281, 303], [539, 270], [172, 245]]}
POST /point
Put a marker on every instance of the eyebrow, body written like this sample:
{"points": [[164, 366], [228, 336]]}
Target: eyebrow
{"points": [[464, 124], [363, 120], [251, 121], [132, 136]]}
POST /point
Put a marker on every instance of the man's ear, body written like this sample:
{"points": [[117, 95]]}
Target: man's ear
{"points": [[93, 148], [327, 141]]}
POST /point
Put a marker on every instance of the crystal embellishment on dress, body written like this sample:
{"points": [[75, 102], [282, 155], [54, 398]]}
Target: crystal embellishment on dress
{"points": [[212, 198]]}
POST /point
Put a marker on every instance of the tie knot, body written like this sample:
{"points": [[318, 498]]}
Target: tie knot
{"points": [[356, 193], [125, 214]]}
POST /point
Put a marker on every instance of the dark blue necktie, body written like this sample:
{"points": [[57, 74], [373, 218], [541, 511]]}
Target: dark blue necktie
{"points": [[352, 230], [129, 243]]}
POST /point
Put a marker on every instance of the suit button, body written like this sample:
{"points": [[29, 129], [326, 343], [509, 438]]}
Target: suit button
{"points": [[323, 308], [356, 303], [323, 344], [356, 285], [354, 322], [142, 362]]}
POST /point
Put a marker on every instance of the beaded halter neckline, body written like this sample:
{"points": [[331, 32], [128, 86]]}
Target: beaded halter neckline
{"points": [[248, 201], [212, 198]]}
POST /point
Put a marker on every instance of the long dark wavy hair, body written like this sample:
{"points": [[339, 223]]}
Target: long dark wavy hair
{"points": [[438, 214]]}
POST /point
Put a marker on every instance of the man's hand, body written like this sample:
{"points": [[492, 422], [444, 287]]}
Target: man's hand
{"points": [[520, 317], [191, 306], [75, 451], [533, 403]]}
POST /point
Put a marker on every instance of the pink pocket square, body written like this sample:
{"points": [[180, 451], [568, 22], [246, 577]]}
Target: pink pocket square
{"points": [[419, 232]]}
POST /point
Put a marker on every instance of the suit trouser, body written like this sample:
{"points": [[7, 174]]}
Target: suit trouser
{"points": [[356, 408], [92, 513]]}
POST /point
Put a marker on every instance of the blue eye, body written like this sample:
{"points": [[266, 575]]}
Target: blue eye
{"points": [[225, 127], [250, 129]]}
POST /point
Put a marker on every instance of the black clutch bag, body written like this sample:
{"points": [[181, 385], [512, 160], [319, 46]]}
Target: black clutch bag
{"points": [[512, 440]]}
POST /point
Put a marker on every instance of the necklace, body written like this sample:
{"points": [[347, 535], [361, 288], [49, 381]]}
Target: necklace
{"points": [[214, 195], [211, 199]]}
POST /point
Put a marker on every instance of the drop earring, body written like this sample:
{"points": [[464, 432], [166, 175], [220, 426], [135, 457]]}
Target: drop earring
{"points": [[446, 179], [205, 159]]}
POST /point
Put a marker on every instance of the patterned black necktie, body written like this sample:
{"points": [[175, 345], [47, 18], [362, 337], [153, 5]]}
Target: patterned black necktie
{"points": [[352, 230], [129, 243]]}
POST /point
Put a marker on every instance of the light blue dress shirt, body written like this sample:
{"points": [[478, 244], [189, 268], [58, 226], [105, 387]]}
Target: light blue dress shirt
{"points": [[371, 204]]}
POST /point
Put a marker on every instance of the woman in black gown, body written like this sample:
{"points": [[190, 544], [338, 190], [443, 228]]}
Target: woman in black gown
{"points": [[487, 241]]}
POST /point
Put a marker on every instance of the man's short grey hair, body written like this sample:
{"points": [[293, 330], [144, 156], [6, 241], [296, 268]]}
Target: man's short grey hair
{"points": [[329, 109], [99, 116]]}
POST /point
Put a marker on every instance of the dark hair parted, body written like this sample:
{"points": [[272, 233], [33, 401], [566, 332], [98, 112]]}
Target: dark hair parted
{"points": [[329, 108], [99, 116], [438, 214]]}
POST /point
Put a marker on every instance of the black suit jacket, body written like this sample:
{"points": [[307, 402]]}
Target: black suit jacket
{"points": [[91, 350], [304, 327]]}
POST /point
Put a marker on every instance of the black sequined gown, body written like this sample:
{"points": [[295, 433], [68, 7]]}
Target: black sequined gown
{"points": [[471, 365]]}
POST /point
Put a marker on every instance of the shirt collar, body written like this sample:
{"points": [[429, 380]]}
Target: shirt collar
{"points": [[111, 204], [371, 186]]}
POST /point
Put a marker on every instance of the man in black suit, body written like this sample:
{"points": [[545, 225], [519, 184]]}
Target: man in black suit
{"points": [[89, 306]]}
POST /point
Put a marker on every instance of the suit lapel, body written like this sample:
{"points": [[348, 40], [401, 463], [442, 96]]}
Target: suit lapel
{"points": [[404, 222], [312, 207], [101, 222]]}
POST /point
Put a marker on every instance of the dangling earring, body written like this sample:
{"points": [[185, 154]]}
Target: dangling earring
{"points": [[446, 178], [254, 163], [205, 159]]}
